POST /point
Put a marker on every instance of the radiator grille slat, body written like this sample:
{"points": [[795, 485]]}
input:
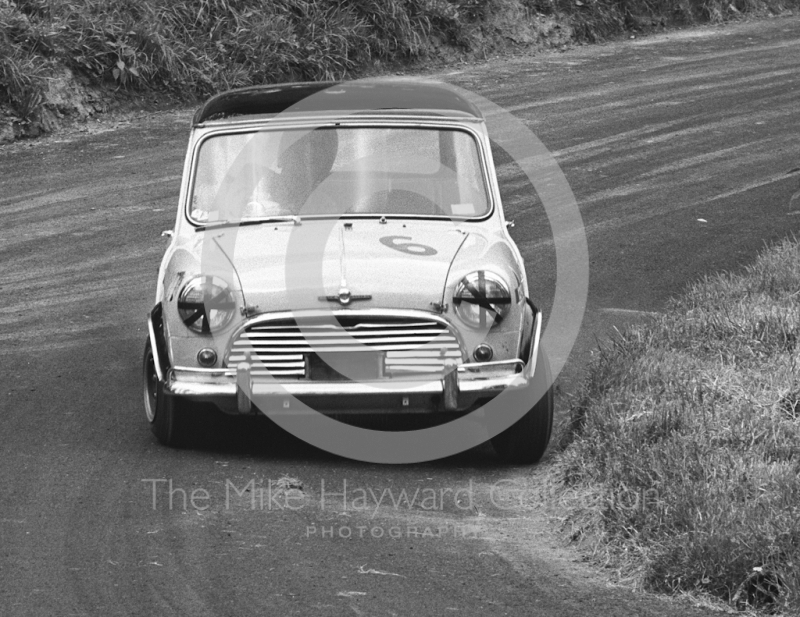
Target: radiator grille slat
{"points": [[409, 346]]}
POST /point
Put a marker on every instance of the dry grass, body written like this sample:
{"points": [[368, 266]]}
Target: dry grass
{"points": [[683, 460], [192, 48]]}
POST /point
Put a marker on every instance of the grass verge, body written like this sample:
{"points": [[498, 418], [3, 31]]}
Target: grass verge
{"points": [[681, 466]]}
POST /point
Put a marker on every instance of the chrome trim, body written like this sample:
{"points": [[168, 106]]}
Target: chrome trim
{"points": [[477, 366], [470, 378], [224, 383], [264, 335], [211, 372], [229, 388], [450, 388], [244, 388], [201, 390], [257, 121], [345, 297], [297, 348], [266, 318], [530, 367], [153, 344]]}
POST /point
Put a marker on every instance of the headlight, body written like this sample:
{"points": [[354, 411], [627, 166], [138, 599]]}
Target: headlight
{"points": [[206, 304], [482, 299]]}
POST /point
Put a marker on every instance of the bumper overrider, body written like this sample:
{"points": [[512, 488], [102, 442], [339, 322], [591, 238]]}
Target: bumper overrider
{"points": [[237, 389]]}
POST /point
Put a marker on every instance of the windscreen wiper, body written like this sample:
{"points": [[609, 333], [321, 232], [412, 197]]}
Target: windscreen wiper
{"points": [[275, 219]]}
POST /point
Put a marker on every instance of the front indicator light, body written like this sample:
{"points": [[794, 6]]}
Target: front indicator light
{"points": [[482, 299], [207, 357], [483, 353]]}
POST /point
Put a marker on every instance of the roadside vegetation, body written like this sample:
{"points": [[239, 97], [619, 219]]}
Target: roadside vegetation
{"points": [[67, 57], [681, 467]]}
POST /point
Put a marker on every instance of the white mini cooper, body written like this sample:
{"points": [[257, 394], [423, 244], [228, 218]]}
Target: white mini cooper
{"points": [[343, 246]]}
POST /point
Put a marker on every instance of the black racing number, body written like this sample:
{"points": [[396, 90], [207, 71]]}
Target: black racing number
{"points": [[412, 248]]}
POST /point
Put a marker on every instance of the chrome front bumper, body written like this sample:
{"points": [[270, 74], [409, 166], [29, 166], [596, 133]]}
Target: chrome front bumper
{"points": [[453, 391]]}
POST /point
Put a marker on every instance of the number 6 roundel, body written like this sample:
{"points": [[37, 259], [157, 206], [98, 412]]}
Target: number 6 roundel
{"points": [[412, 248]]}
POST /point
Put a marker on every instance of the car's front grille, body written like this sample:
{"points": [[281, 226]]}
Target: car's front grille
{"points": [[408, 345]]}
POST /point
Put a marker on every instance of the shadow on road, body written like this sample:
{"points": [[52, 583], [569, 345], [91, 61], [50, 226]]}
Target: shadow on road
{"points": [[259, 437]]}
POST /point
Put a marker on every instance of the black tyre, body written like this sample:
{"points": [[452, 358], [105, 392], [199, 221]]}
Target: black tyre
{"points": [[526, 440], [167, 414]]}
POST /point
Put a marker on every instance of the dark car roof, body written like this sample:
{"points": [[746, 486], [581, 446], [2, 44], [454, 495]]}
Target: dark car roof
{"points": [[335, 96]]}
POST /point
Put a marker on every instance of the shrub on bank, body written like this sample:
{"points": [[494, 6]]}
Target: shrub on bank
{"points": [[685, 443], [192, 48]]}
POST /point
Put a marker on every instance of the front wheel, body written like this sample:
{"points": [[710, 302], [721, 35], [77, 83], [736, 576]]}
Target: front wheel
{"points": [[166, 414], [525, 441]]}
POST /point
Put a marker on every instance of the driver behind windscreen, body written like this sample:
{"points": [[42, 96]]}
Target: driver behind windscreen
{"points": [[305, 160]]}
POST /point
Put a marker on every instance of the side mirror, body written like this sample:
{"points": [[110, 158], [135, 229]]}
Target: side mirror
{"points": [[509, 224], [167, 233]]}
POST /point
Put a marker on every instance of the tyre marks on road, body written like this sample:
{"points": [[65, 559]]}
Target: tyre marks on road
{"points": [[726, 127], [23, 203]]}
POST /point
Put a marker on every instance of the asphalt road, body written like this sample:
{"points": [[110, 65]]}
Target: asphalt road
{"points": [[653, 136]]}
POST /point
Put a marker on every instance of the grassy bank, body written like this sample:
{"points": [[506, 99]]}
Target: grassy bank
{"points": [[53, 51], [682, 469]]}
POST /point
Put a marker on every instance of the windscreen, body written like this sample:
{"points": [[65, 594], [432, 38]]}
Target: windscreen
{"points": [[359, 171]]}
